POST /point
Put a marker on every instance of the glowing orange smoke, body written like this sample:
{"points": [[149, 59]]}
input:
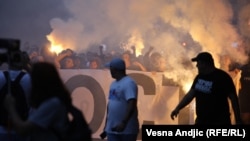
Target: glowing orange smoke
{"points": [[136, 41], [55, 46], [186, 87]]}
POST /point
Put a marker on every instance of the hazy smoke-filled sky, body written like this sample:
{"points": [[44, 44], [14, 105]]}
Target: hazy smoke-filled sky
{"points": [[178, 29], [28, 20], [164, 24]]}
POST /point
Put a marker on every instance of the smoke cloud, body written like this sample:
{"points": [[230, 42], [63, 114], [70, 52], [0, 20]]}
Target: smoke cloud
{"points": [[176, 29]]}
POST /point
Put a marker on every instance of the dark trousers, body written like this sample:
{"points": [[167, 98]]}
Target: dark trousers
{"points": [[213, 122], [122, 137]]}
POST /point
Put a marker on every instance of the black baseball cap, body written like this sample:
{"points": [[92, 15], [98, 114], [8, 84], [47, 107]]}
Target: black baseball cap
{"points": [[204, 57]]}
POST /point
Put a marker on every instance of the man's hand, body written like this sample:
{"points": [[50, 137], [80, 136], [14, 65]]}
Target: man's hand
{"points": [[120, 127], [103, 135], [174, 114]]}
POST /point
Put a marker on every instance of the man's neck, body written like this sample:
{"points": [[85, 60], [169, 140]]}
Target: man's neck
{"points": [[120, 77], [209, 70]]}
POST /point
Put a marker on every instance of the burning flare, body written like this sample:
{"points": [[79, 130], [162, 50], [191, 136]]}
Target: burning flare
{"points": [[55, 47]]}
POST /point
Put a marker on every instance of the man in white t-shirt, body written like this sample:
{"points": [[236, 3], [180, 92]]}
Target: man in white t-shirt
{"points": [[122, 113]]}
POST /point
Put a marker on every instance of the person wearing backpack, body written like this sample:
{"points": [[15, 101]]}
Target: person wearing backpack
{"points": [[17, 81], [49, 121]]}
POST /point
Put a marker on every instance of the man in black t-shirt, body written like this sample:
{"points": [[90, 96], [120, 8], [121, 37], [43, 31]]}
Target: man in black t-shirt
{"points": [[211, 89]]}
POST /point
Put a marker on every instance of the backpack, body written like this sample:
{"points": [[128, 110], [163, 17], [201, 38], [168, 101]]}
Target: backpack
{"points": [[78, 129], [20, 98]]}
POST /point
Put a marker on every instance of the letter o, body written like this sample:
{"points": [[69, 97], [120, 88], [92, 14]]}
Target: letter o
{"points": [[98, 94]]}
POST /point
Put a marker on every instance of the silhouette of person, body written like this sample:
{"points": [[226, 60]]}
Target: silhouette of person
{"points": [[14, 72], [49, 100], [65, 59], [244, 93], [211, 89], [130, 64], [95, 63], [122, 122]]}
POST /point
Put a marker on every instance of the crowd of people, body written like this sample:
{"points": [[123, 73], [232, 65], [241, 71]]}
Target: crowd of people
{"points": [[152, 60], [211, 88], [35, 103]]}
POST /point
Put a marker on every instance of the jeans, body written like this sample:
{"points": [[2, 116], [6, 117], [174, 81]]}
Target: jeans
{"points": [[121, 137]]}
